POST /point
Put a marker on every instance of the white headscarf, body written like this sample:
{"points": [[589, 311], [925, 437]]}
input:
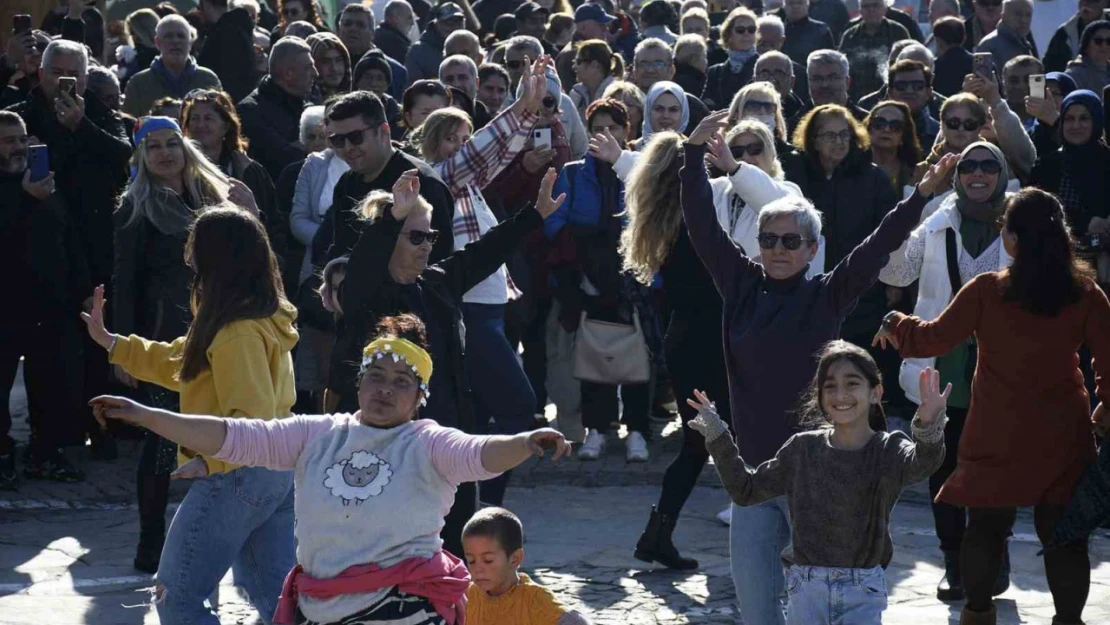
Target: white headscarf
{"points": [[658, 89]]}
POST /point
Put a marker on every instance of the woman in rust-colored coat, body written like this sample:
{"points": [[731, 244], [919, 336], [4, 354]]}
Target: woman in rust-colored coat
{"points": [[1029, 434]]}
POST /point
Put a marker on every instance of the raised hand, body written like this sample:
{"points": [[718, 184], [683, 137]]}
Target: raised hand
{"points": [[720, 155], [70, 110], [240, 194], [547, 439], [933, 401], [545, 204], [94, 320], [708, 423], [406, 192], [1046, 109], [605, 147], [536, 159], [534, 86], [711, 125], [937, 175]]}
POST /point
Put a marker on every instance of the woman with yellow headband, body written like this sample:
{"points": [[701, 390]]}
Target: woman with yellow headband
{"points": [[372, 488]]}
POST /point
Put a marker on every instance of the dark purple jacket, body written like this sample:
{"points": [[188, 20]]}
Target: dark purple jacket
{"points": [[773, 328]]}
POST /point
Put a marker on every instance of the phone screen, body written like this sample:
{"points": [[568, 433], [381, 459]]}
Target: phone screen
{"points": [[21, 23]]}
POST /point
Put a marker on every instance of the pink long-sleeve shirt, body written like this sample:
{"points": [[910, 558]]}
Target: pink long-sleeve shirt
{"points": [[364, 495]]}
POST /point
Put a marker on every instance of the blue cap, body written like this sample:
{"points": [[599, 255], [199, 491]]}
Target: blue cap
{"points": [[591, 11]]}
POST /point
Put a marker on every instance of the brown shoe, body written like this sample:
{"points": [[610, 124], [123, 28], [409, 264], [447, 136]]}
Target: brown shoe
{"points": [[970, 617]]}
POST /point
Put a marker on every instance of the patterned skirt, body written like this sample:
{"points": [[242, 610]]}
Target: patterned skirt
{"points": [[396, 608]]}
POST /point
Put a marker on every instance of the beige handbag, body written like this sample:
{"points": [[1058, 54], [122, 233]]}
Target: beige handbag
{"points": [[611, 353]]}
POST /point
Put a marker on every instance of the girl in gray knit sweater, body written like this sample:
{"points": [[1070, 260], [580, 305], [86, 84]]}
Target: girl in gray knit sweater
{"points": [[841, 483]]}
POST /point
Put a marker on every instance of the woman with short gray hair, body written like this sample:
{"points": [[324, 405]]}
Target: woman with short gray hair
{"points": [[775, 319]]}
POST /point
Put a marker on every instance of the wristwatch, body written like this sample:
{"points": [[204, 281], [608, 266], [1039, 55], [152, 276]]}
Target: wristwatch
{"points": [[888, 321]]}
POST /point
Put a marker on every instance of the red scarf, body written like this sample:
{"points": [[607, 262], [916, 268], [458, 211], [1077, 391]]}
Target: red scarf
{"points": [[441, 579]]}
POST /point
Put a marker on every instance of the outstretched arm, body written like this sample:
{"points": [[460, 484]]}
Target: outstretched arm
{"points": [[205, 435]]}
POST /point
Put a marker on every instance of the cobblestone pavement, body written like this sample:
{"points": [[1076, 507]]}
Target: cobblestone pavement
{"points": [[65, 551]]}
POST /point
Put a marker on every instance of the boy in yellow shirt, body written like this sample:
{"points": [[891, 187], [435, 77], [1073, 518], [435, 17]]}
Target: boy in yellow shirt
{"points": [[499, 594]]}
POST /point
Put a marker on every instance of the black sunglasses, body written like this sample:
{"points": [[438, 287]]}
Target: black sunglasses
{"points": [[954, 123], [908, 85], [744, 30], [987, 167], [418, 237], [549, 102], [755, 149], [339, 140], [768, 240], [893, 125]]}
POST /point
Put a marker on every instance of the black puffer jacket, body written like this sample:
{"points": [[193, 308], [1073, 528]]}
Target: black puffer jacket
{"points": [[272, 121], [229, 51], [90, 170]]}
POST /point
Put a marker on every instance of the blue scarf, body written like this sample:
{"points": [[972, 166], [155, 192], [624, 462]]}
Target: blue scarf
{"points": [[737, 58], [178, 86]]}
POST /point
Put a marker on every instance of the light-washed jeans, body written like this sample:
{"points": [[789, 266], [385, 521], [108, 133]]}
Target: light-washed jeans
{"points": [[242, 520], [828, 596], [757, 537]]}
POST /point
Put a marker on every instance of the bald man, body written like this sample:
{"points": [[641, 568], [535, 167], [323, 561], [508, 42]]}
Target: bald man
{"points": [[1012, 37]]}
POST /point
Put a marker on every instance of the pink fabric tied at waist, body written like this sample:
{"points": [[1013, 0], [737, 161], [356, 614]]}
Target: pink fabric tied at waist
{"points": [[442, 579]]}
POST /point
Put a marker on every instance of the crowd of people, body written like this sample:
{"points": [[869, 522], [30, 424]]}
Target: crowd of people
{"points": [[254, 228]]}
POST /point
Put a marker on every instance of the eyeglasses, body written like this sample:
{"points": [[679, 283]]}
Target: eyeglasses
{"points": [[744, 30], [970, 167], [954, 123], [755, 149], [1101, 41], [418, 237], [893, 125], [339, 140], [768, 240], [835, 137], [514, 65], [655, 66], [777, 74], [825, 80], [549, 102], [908, 85], [756, 107]]}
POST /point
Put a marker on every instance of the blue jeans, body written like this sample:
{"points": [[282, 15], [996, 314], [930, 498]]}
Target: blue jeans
{"points": [[500, 388], [242, 520], [757, 537], [829, 596]]}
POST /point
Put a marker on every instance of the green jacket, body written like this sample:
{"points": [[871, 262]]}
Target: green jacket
{"points": [[147, 86]]}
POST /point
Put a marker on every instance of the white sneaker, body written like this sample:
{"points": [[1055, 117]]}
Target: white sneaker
{"points": [[637, 447], [594, 445], [725, 516]]}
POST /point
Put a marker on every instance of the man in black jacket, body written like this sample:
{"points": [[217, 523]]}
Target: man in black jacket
{"points": [[953, 60], [271, 114], [45, 267], [229, 47], [392, 35], [803, 33]]}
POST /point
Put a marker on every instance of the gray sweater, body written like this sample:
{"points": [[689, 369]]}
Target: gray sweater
{"points": [[840, 501]]}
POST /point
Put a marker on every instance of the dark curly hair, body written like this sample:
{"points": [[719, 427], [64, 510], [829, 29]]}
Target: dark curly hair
{"points": [[405, 326]]}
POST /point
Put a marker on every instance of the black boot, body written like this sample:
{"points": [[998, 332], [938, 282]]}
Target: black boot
{"points": [[154, 492], [1002, 584], [655, 544], [951, 586]]}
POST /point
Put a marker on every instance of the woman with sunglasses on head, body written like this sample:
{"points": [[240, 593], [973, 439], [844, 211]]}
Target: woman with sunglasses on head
{"points": [[1028, 433], [172, 180], [596, 67], [1091, 69], [231, 361], [775, 319], [654, 242], [723, 80], [959, 239], [388, 272], [894, 146], [467, 162]]}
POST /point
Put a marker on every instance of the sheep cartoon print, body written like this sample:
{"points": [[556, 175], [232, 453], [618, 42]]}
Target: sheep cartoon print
{"points": [[358, 478]]}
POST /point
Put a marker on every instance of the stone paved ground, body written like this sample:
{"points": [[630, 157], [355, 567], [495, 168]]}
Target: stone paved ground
{"points": [[65, 550]]}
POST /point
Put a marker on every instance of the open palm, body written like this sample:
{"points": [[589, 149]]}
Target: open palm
{"points": [[94, 320]]}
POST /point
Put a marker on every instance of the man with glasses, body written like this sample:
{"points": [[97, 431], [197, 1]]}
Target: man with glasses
{"points": [[424, 57], [1012, 37], [777, 68], [1064, 45], [911, 83], [654, 61], [174, 71], [271, 114], [867, 46], [827, 71], [804, 35]]}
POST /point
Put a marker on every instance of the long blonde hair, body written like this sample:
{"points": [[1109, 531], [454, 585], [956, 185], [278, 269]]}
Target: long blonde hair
{"points": [[652, 205], [205, 184], [429, 135]]}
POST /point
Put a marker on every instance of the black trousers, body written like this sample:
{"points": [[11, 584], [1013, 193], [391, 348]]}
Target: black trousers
{"points": [[1067, 567], [696, 360], [52, 376], [950, 521]]}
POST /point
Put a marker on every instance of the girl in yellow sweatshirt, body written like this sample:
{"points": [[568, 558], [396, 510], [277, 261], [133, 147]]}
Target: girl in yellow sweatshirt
{"points": [[234, 361]]}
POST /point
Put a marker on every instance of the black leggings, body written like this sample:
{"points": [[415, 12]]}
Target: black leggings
{"points": [[1067, 567], [695, 364]]}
